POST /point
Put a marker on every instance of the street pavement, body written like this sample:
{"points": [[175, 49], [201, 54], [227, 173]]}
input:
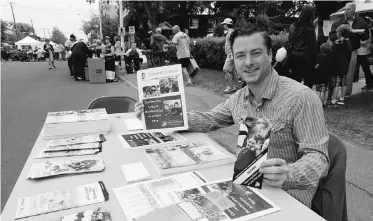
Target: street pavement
{"points": [[29, 91], [359, 176]]}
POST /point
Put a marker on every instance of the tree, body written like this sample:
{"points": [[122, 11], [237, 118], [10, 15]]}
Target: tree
{"points": [[57, 36], [4, 29]]}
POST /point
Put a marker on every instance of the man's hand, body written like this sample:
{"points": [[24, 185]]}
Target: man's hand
{"points": [[139, 109], [275, 172]]}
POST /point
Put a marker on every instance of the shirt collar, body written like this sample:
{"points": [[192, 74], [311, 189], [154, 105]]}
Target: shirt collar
{"points": [[271, 87]]}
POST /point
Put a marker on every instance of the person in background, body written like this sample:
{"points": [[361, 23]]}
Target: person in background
{"points": [[159, 46], [228, 67], [109, 54], [362, 59], [186, 31], [29, 53], [99, 48], [118, 51], [359, 32], [182, 43], [35, 54], [48, 48], [322, 73], [341, 56], [79, 54], [303, 46], [60, 50], [133, 55], [68, 45]]}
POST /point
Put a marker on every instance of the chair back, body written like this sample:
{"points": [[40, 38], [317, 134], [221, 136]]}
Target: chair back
{"points": [[116, 104], [330, 198]]}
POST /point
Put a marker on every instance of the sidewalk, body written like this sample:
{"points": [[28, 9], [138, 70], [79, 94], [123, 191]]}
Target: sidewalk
{"points": [[359, 165]]}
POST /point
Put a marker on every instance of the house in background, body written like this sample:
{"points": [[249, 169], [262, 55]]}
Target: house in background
{"points": [[202, 25]]}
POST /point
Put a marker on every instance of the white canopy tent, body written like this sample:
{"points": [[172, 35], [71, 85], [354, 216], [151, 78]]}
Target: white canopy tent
{"points": [[28, 41]]}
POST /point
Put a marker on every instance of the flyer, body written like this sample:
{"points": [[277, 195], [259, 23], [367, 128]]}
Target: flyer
{"points": [[141, 198], [61, 200], [149, 139], [162, 92], [76, 140], [68, 153], [73, 147], [76, 116], [89, 215], [60, 167]]}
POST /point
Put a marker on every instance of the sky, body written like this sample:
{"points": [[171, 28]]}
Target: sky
{"points": [[67, 15]]}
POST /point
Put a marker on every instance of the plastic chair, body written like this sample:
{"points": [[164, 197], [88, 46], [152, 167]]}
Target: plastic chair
{"points": [[116, 104]]}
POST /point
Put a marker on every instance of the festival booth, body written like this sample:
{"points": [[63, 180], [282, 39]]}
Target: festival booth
{"points": [[28, 41]]}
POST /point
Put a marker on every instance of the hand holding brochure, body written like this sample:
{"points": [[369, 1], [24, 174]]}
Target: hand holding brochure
{"points": [[162, 92]]}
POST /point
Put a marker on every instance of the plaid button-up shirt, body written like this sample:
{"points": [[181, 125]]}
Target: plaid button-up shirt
{"points": [[299, 134]]}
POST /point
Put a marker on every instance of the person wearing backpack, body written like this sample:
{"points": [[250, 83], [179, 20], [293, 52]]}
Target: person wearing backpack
{"points": [[158, 42], [303, 46]]}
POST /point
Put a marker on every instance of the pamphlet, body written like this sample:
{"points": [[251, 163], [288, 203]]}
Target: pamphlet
{"points": [[89, 215], [68, 153], [76, 116], [186, 157], [76, 140], [253, 140], [196, 208], [141, 198], [149, 139], [61, 200], [248, 202], [74, 147], [161, 90], [54, 168]]}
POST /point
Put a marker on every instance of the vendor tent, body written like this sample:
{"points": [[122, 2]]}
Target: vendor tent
{"points": [[28, 41]]}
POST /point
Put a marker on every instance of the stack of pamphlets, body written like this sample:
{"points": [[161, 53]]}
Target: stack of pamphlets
{"points": [[76, 123], [178, 158], [89, 215], [61, 200], [72, 146]]}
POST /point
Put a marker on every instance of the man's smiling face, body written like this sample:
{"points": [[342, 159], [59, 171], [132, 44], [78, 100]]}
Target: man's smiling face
{"points": [[251, 58]]}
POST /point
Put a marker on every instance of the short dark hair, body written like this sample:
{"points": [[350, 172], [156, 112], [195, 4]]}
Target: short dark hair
{"points": [[72, 36], [249, 30], [344, 30]]}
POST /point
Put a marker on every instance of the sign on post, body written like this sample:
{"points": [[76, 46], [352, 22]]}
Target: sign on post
{"points": [[121, 31], [132, 29]]}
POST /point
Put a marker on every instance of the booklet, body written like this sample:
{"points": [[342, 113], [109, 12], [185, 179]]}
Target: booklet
{"points": [[68, 153], [162, 92], [60, 167], [186, 157], [89, 215], [249, 203], [253, 139], [62, 200], [196, 208], [73, 147], [76, 140], [76, 116], [138, 199], [149, 139]]}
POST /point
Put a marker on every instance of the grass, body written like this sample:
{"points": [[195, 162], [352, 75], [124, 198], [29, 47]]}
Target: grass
{"points": [[353, 122]]}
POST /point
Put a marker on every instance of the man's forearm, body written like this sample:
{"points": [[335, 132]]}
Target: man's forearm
{"points": [[206, 122]]}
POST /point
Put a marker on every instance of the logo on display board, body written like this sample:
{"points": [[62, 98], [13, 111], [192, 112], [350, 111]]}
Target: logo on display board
{"points": [[121, 31], [132, 29]]}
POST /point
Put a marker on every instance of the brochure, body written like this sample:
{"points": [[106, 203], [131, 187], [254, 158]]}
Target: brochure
{"points": [[161, 90], [61, 200], [186, 157], [68, 153], [76, 140], [89, 215], [76, 116], [54, 168], [253, 139], [149, 139], [248, 202], [138, 199], [74, 147]]}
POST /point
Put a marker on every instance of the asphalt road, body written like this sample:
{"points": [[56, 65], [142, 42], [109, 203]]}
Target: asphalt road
{"points": [[28, 92]]}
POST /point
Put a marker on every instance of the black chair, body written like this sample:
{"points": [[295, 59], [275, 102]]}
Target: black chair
{"points": [[330, 198], [115, 104]]}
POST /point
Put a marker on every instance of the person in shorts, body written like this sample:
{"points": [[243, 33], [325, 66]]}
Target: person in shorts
{"points": [[228, 68], [341, 56], [322, 71], [182, 43], [68, 45]]}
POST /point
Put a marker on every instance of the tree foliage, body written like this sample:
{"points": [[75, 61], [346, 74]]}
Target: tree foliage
{"points": [[57, 36], [8, 33]]}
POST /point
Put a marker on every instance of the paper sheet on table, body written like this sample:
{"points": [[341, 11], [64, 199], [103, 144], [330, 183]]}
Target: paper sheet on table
{"points": [[134, 172], [133, 124]]}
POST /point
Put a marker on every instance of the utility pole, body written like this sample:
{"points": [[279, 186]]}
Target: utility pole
{"points": [[49, 34], [100, 20], [14, 20], [32, 25], [121, 20], [44, 32]]}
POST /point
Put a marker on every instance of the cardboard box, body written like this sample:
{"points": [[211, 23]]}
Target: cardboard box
{"points": [[96, 69]]}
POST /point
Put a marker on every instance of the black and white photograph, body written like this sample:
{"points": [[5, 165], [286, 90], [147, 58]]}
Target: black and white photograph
{"points": [[169, 85], [151, 91], [173, 108]]}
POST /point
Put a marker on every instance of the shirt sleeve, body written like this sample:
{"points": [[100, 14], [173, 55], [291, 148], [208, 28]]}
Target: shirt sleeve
{"points": [[175, 39], [312, 137], [214, 119]]}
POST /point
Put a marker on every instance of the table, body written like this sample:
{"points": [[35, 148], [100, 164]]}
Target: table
{"points": [[115, 155]]}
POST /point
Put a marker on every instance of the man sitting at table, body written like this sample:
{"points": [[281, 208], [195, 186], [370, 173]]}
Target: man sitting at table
{"points": [[298, 155]]}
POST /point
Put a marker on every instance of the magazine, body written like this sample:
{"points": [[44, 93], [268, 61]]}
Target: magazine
{"points": [[248, 202], [61, 200], [54, 168], [141, 198], [89, 215], [185, 157], [76, 116], [162, 92], [253, 140], [196, 208], [73, 147], [149, 139], [76, 140], [68, 153]]}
